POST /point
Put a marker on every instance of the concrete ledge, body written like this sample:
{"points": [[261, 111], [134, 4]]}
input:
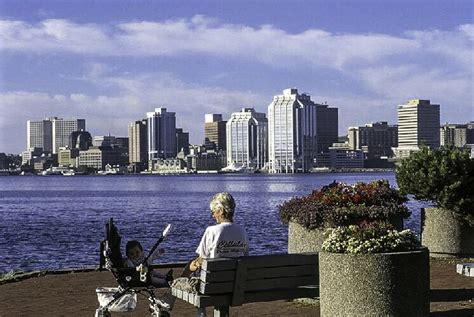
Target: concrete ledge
{"points": [[20, 276], [379, 284]]}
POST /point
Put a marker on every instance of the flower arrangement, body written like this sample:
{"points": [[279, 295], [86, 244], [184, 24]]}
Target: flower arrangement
{"points": [[339, 204], [444, 176], [369, 237]]}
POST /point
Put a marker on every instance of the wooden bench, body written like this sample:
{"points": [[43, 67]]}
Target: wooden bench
{"points": [[233, 282]]}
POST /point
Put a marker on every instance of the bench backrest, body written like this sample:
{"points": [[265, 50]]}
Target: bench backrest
{"points": [[261, 278]]}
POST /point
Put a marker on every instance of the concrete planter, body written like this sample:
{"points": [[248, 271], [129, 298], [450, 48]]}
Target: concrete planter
{"points": [[444, 235], [378, 284], [302, 240]]}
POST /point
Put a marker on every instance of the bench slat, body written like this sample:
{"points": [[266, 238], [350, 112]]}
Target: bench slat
{"points": [[272, 260], [260, 284], [275, 260], [286, 271], [280, 283], [222, 276], [219, 264], [252, 274], [215, 288]]}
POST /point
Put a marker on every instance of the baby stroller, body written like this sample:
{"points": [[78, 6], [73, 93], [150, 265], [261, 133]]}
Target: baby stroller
{"points": [[131, 281]]}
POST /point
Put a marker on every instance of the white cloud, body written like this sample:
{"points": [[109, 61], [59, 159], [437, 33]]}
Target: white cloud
{"points": [[53, 35], [455, 46], [427, 64], [203, 35], [111, 114], [406, 81], [453, 91]]}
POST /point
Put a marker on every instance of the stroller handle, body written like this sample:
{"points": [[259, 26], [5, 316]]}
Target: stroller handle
{"points": [[166, 231], [163, 236]]}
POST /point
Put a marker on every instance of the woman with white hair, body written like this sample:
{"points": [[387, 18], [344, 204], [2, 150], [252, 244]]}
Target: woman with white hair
{"points": [[224, 239]]}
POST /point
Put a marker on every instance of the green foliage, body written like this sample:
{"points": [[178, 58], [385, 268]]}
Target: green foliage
{"points": [[340, 204], [374, 237], [444, 176]]}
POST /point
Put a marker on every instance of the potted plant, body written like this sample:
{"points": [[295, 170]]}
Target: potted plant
{"points": [[370, 269], [339, 204], [444, 177]]}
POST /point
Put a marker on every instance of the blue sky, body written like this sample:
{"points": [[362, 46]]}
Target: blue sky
{"points": [[112, 61]]}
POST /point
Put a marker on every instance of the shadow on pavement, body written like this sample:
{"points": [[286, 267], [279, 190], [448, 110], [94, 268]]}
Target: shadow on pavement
{"points": [[454, 313]]}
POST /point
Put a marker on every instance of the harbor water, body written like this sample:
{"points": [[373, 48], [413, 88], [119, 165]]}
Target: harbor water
{"points": [[57, 222]]}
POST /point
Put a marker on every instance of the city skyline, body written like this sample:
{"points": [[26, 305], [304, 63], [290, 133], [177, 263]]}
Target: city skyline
{"points": [[113, 62]]}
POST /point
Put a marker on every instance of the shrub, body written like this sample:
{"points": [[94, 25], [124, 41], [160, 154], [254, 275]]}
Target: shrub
{"points": [[444, 176], [374, 237], [338, 204]]}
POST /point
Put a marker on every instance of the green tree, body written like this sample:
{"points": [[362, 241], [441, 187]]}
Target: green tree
{"points": [[444, 176]]}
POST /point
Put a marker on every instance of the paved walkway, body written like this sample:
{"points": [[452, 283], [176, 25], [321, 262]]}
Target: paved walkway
{"points": [[74, 295]]}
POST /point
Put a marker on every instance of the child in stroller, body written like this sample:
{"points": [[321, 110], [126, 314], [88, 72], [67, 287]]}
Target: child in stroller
{"points": [[136, 256], [132, 281]]}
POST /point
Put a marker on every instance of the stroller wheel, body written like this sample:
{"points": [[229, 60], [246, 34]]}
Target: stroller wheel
{"points": [[160, 313], [102, 313]]}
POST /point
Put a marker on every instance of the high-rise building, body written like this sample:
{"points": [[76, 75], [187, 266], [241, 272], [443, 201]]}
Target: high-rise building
{"points": [[215, 131], [52, 133], [138, 144], [182, 141], [39, 135], [418, 124], [247, 139], [161, 135], [375, 139], [457, 134], [62, 129], [104, 140], [326, 127], [291, 132]]}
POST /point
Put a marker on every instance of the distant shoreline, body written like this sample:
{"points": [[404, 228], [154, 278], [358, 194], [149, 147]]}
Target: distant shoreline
{"points": [[319, 171]]}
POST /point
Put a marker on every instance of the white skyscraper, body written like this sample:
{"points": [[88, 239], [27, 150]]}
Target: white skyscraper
{"points": [[247, 138], [418, 124], [62, 129], [161, 126], [291, 132], [138, 145], [52, 133]]}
